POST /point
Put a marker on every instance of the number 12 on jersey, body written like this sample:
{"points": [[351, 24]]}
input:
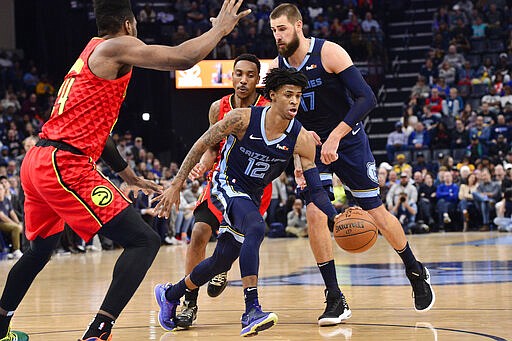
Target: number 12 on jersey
{"points": [[256, 169]]}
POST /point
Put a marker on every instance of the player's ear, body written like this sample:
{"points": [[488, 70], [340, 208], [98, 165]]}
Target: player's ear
{"points": [[272, 94], [298, 25], [129, 27]]}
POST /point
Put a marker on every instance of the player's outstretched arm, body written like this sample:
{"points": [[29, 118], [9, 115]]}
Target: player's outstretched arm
{"points": [[235, 122], [305, 148], [336, 60], [129, 50]]}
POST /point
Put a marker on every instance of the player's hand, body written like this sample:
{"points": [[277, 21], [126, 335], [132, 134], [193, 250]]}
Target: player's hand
{"points": [[300, 180], [196, 172], [315, 137], [169, 198], [146, 186], [329, 151], [228, 17]]}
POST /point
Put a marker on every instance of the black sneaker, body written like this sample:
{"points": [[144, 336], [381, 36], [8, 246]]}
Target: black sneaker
{"points": [[424, 296], [187, 315], [336, 311], [217, 284]]}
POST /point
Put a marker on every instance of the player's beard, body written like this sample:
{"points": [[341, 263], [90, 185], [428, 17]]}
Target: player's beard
{"points": [[290, 48]]}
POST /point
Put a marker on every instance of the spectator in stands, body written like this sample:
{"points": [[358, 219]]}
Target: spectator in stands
{"points": [[180, 35], [488, 117], [487, 194], [400, 166], [30, 80], [420, 89], [461, 43], [448, 72], [481, 131], [478, 28], [444, 89], [419, 138], [420, 165], [503, 220], [9, 223], [429, 72], [429, 119], [493, 100], [447, 197], [427, 200], [296, 220], [404, 186], [147, 14], [453, 58], [506, 98], [459, 136], [434, 102], [222, 50], [383, 187], [485, 72], [466, 202], [369, 23], [476, 150], [499, 148], [452, 106], [495, 19], [465, 75], [397, 141], [500, 128], [441, 138]]}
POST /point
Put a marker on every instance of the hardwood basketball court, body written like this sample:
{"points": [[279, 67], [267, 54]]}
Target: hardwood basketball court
{"points": [[472, 274]]}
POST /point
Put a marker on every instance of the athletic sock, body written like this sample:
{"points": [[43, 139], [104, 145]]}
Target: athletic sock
{"points": [[5, 321], [100, 326], [191, 295], [328, 271], [176, 291], [410, 262], [251, 298]]}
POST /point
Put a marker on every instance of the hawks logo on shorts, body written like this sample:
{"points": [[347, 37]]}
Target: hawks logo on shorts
{"points": [[102, 196]]}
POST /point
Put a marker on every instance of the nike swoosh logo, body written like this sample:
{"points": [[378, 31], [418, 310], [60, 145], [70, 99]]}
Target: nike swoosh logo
{"points": [[252, 137], [355, 131], [251, 289], [323, 264]]}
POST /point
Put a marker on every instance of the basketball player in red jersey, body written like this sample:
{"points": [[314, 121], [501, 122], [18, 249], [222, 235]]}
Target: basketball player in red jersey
{"points": [[59, 175], [246, 70]]}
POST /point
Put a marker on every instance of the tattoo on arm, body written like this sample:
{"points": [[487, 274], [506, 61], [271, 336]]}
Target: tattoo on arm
{"points": [[231, 124], [213, 115]]}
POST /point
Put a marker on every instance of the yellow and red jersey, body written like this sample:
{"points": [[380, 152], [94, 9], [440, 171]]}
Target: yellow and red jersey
{"points": [[87, 107]]}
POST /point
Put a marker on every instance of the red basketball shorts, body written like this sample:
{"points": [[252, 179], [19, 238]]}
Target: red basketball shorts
{"points": [[64, 187]]}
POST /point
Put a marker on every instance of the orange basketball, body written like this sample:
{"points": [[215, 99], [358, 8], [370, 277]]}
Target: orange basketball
{"points": [[356, 231]]}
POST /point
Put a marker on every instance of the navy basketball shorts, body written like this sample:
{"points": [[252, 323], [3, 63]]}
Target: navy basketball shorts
{"points": [[356, 169], [235, 210]]}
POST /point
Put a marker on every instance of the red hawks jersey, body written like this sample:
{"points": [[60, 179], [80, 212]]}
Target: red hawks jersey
{"points": [[224, 108], [86, 107]]}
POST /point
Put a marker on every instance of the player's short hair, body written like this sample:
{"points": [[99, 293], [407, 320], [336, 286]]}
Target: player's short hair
{"points": [[111, 14], [277, 78], [250, 58], [291, 12]]}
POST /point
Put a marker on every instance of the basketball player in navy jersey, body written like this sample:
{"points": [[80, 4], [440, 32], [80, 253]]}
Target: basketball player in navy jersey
{"points": [[333, 105], [260, 143]]}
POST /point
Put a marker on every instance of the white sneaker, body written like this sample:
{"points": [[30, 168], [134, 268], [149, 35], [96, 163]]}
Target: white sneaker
{"points": [[446, 218], [17, 254], [171, 241], [92, 248]]}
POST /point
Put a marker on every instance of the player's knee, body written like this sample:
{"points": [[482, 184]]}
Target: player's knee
{"points": [[255, 227], [154, 240], [201, 234]]}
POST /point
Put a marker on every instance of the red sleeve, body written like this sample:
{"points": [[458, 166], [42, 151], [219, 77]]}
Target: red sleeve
{"points": [[265, 199]]}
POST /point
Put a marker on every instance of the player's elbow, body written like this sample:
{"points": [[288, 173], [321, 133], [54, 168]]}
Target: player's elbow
{"points": [[370, 98]]}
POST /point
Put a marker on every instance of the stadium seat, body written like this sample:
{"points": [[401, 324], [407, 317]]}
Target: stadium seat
{"points": [[479, 90], [478, 45], [464, 90], [474, 59], [458, 154], [496, 46]]}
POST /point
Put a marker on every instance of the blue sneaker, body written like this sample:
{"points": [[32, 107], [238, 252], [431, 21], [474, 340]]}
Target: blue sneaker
{"points": [[256, 320], [167, 308]]}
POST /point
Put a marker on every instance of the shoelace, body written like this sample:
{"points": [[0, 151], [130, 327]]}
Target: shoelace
{"points": [[219, 279]]}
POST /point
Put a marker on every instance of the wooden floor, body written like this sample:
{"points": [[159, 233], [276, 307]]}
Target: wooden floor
{"points": [[472, 273]]}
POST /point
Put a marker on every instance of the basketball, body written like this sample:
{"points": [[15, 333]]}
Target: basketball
{"points": [[355, 231]]}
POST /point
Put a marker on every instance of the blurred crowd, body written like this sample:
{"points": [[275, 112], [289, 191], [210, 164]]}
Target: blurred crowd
{"points": [[451, 150], [352, 24]]}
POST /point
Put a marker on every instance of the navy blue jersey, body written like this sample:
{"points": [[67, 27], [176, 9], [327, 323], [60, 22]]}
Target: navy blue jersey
{"points": [[325, 101], [248, 165]]}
